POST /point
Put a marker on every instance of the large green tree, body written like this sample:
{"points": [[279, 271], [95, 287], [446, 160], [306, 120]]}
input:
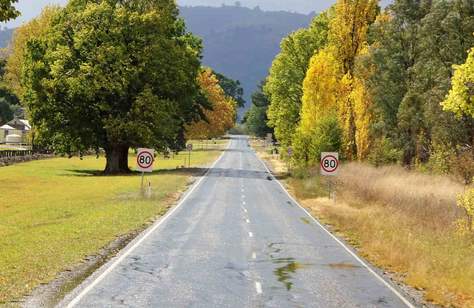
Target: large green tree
{"points": [[113, 74], [256, 117], [7, 99], [232, 88], [7, 10], [9, 102]]}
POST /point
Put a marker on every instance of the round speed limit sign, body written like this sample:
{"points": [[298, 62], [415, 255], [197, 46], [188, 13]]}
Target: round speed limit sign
{"points": [[329, 163], [145, 160]]}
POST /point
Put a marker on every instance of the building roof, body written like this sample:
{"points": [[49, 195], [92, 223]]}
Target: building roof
{"points": [[6, 127], [27, 124], [20, 124]]}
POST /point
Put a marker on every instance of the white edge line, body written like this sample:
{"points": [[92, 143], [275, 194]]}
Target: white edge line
{"points": [[258, 287], [400, 296], [127, 252]]}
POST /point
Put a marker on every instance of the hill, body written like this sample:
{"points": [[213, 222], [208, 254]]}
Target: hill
{"points": [[301, 6], [241, 42], [5, 37]]}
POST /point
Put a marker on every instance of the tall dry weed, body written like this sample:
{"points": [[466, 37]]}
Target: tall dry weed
{"points": [[426, 199]]}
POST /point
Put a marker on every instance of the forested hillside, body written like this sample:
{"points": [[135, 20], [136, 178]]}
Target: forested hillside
{"points": [[241, 42], [301, 6]]}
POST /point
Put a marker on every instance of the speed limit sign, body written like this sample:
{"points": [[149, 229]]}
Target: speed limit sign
{"points": [[145, 160], [329, 163]]}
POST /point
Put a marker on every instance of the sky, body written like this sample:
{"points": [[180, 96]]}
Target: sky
{"points": [[32, 8]]}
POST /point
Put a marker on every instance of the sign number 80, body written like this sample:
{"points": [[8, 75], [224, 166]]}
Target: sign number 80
{"points": [[145, 160]]}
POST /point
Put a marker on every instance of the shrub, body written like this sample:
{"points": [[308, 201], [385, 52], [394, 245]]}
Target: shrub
{"points": [[324, 137], [384, 153], [463, 165], [466, 202]]}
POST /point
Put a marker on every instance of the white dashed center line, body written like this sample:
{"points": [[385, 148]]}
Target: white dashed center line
{"points": [[254, 255], [248, 221], [258, 287], [250, 234], [244, 203]]}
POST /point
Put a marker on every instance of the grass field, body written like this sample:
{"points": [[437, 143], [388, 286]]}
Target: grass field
{"points": [[405, 222], [55, 212]]}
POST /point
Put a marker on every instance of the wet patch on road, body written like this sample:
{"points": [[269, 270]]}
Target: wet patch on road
{"points": [[343, 266], [305, 220], [285, 273]]}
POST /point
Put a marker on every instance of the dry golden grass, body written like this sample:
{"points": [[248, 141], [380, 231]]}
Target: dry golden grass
{"points": [[429, 199], [403, 221]]}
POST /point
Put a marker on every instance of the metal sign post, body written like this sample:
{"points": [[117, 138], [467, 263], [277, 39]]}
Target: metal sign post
{"points": [[329, 168], [290, 154], [190, 149]]}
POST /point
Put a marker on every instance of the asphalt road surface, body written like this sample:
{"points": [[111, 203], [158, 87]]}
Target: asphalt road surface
{"points": [[237, 239]]}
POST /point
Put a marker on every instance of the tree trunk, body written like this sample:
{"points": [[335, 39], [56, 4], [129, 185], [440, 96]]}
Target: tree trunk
{"points": [[117, 159]]}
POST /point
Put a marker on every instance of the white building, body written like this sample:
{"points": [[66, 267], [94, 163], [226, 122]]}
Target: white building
{"points": [[17, 127], [5, 130]]}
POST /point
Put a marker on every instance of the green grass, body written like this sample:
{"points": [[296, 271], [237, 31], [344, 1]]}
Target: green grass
{"points": [[55, 212]]}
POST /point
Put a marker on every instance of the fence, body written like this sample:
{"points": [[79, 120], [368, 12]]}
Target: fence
{"points": [[15, 153]]}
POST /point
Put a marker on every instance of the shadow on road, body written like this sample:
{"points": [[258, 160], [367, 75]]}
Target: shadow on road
{"points": [[214, 172]]}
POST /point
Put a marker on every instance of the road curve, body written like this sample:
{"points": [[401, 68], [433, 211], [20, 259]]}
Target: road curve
{"points": [[237, 239]]}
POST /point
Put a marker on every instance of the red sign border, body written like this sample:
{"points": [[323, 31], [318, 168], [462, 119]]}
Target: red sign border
{"points": [[329, 156], [152, 159]]}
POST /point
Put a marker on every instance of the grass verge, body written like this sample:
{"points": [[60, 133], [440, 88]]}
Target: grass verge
{"points": [[404, 222], [55, 212]]}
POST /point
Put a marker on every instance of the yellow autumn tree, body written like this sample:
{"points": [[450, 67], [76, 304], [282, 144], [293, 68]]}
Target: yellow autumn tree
{"points": [[460, 99], [336, 108], [221, 117], [348, 38], [319, 130], [33, 29], [348, 29]]}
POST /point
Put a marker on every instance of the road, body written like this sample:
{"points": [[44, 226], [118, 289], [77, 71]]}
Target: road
{"points": [[237, 239]]}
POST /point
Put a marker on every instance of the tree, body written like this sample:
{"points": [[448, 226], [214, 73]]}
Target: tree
{"points": [[348, 29], [7, 10], [413, 47], [222, 114], [113, 74], [394, 50], [9, 103], [460, 100], [319, 129], [232, 88], [35, 28], [256, 117], [348, 34], [444, 39], [284, 83]]}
